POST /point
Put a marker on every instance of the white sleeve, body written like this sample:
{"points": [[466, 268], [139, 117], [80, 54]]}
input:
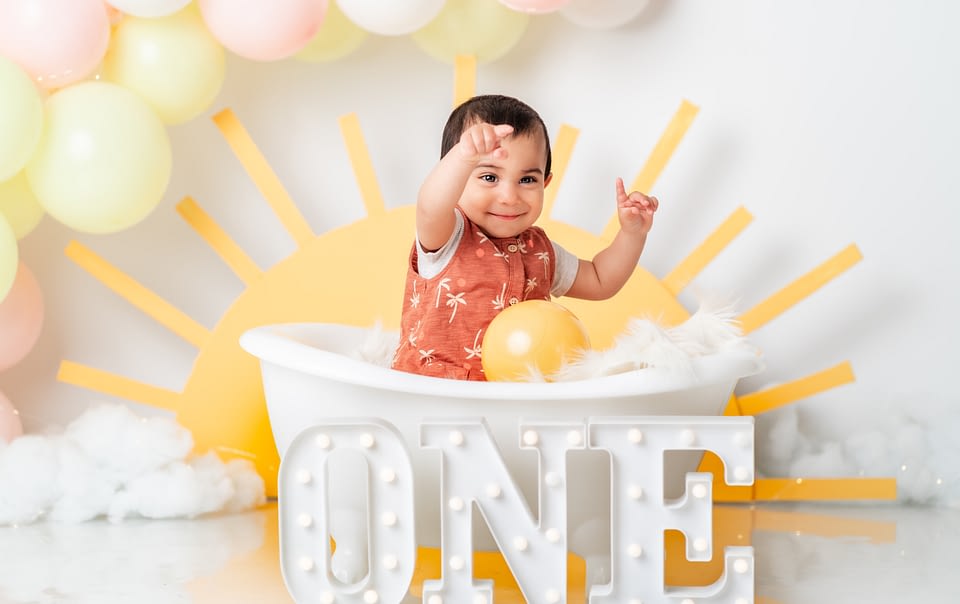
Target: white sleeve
{"points": [[565, 272], [429, 264]]}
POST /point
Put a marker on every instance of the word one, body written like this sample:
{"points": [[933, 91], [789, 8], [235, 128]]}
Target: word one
{"points": [[472, 473]]}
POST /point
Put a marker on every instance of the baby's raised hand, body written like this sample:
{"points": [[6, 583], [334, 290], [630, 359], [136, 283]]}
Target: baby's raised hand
{"points": [[482, 140], [635, 210]]}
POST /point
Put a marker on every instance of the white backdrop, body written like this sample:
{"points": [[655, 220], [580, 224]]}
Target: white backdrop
{"points": [[831, 122]]}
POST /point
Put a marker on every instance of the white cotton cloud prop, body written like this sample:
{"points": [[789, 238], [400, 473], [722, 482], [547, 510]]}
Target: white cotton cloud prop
{"points": [[111, 462], [919, 450]]}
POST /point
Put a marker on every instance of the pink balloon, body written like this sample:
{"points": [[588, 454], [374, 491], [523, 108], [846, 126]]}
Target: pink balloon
{"points": [[534, 6], [10, 425], [56, 42], [264, 30], [21, 318]]}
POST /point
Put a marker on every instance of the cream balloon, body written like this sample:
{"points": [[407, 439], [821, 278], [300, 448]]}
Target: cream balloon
{"points": [[19, 205], [338, 37], [603, 14], [481, 28], [21, 118], [391, 18], [104, 159], [9, 257], [148, 8], [173, 62]]}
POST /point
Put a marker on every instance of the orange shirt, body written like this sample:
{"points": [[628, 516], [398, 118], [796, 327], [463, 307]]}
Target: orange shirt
{"points": [[444, 317]]}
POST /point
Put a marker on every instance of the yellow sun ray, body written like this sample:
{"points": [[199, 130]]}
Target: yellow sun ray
{"points": [[563, 145], [263, 176], [150, 303], [771, 398], [115, 385], [362, 164], [659, 157], [704, 254], [763, 313], [825, 489], [228, 250]]}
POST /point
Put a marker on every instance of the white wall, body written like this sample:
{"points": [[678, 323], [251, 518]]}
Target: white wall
{"points": [[832, 122]]}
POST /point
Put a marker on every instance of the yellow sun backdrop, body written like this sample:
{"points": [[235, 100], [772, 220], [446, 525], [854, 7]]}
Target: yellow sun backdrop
{"points": [[222, 401]]}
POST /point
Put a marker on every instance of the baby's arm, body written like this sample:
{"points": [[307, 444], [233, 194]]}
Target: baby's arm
{"points": [[602, 277], [442, 188]]}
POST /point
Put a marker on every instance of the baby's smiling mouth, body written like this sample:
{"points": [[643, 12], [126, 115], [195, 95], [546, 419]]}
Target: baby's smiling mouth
{"points": [[508, 217]]}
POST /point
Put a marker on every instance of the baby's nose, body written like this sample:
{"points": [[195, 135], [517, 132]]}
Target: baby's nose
{"points": [[509, 194]]}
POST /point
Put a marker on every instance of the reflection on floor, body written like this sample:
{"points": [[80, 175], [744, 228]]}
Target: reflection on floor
{"points": [[804, 554]]}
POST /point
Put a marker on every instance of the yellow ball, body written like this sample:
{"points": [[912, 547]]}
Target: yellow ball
{"points": [[532, 336]]}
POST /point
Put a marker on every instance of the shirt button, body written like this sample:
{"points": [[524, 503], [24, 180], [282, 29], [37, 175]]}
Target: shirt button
{"points": [[512, 248], [513, 301]]}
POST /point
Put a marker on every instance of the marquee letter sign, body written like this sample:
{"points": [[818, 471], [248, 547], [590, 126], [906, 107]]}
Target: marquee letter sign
{"points": [[473, 473]]}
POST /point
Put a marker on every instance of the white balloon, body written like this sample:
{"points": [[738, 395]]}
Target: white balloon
{"points": [[603, 14], [148, 8], [393, 18]]}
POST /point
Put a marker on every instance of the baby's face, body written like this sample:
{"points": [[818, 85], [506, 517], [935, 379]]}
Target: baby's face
{"points": [[504, 196]]}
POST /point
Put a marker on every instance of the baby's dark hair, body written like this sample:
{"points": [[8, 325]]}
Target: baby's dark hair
{"points": [[494, 109]]}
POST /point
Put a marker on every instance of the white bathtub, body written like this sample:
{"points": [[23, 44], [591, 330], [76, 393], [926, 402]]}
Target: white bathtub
{"points": [[310, 375]]}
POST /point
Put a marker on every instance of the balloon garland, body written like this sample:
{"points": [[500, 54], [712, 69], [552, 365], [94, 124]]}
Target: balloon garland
{"points": [[113, 74]]}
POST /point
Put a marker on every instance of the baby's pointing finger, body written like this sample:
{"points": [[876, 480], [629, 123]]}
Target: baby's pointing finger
{"points": [[490, 139], [621, 192]]}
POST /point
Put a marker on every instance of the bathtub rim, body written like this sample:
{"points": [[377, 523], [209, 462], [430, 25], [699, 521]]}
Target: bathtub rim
{"points": [[283, 344]]}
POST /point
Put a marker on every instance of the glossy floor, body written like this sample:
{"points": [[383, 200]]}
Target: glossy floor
{"points": [[804, 554]]}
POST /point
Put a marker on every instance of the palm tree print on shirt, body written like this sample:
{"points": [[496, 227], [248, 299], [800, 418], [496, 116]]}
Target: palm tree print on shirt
{"points": [[474, 353], [412, 336], [500, 302], [545, 258], [531, 284], [415, 296], [454, 301], [443, 285]]}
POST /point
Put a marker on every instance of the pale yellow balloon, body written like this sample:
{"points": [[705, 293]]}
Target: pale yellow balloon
{"points": [[483, 28], [9, 258], [104, 160], [338, 37], [173, 62], [19, 205], [21, 118]]}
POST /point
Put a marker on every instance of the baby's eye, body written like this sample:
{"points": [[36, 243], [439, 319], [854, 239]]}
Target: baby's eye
{"points": [[488, 177], [527, 180]]}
